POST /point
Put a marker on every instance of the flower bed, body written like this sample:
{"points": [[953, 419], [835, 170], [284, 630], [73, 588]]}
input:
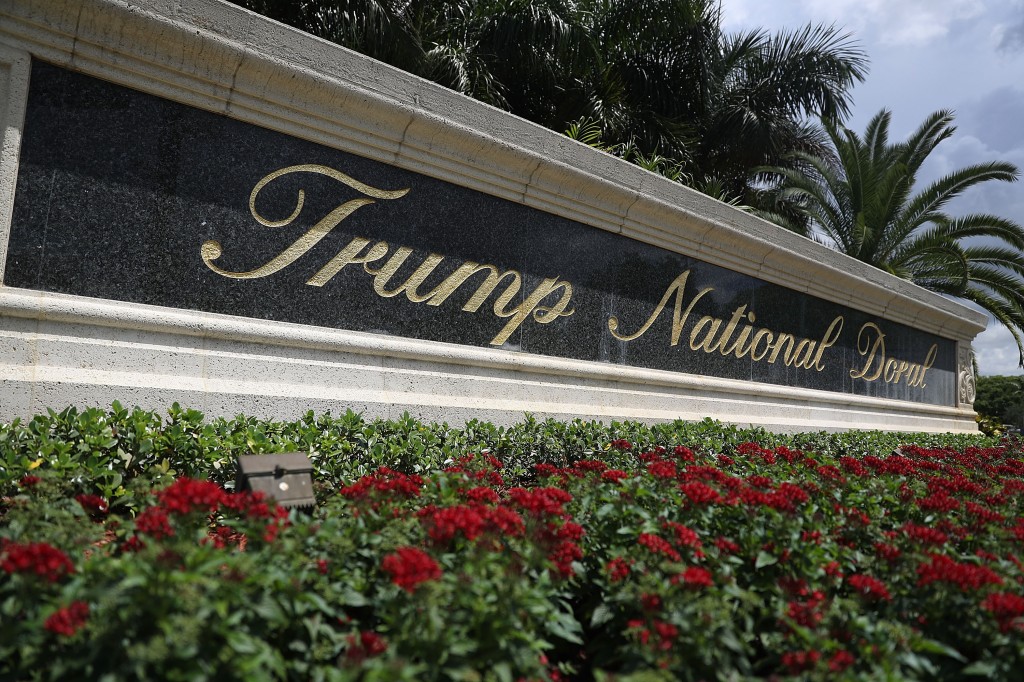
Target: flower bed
{"points": [[747, 560]]}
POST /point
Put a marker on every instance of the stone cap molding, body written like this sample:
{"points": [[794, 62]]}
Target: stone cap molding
{"points": [[222, 58]]}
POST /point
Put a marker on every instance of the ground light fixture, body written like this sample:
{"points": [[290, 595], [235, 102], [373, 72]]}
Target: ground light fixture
{"points": [[286, 477]]}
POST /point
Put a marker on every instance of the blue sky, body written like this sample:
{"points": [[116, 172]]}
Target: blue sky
{"points": [[926, 55]]}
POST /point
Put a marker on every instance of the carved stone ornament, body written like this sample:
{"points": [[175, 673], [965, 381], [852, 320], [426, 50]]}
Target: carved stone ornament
{"points": [[966, 386]]}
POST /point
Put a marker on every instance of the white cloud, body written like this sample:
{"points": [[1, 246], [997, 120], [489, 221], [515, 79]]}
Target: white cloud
{"points": [[920, 23], [912, 23], [1009, 35], [996, 351]]}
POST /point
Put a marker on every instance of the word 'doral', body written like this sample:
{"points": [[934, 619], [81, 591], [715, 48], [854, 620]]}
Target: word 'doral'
{"points": [[891, 370], [361, 251]]}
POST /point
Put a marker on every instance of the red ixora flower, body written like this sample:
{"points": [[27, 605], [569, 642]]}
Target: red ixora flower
{"points": [[662, 469], [540, 501], [444, 523], [614, 475], [963, 575], [187, 494], [840, 661], [869, 587], [924, 534], [40, 558], [800, 661], [659, 545], [93, 504], [409, 567], [386, 481], [367, 645], [618, 569], [1007, 608], [700, 493], [697, 577], [650, 602], [68, 620], [563, 555], [154, 523]]}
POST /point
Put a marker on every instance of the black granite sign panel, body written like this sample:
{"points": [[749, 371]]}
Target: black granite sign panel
{"points": [[126, 196]]}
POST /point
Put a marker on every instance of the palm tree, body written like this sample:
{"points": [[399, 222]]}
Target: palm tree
{"points": [[866, 204], [671, 83]]}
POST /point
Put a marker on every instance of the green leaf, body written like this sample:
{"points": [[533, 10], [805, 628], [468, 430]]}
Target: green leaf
{"points": [[932, 646], [602, 614], [352, 598], [985, 669], [765, 559]]}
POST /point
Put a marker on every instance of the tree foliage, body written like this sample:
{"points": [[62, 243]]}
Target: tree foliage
{"points": [[1001, 397]]}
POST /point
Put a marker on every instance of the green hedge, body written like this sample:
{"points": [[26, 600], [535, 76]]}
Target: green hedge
{"points": [[101, 451]]}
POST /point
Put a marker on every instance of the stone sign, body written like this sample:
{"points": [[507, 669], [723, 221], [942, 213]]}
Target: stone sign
{"points": [[127, 196], [199, 205]]}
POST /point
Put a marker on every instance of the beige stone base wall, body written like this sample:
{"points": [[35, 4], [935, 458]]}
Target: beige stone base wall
{"points": [[59, 350]]}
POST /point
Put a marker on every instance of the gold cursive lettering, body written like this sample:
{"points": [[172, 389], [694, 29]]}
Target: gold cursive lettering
{"points": [[359, 251], [212, 250], [891, 370], [679, 316], [711, 334]]}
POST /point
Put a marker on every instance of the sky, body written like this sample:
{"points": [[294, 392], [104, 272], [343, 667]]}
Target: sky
{"points": [[925, 55]]}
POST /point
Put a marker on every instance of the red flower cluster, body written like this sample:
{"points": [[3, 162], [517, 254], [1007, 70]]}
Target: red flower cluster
{"points": [[540, 501], [68, 620], [871, 588], [662, 469], [700, 493], [807, 613], [659, 546], [1007, 608], [39, 558], [94, 505], [444, 523], [386, 482], [366, 645], [666, 633], [563, 555], [840, 661], [727, 546], [409, 567], [967, 577], [482, 495], [614, 475], [684, 535], [618, 569], [471, 521], [186, 495], [800, 661], [695, 577], [154, 522], [925, 535]]}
